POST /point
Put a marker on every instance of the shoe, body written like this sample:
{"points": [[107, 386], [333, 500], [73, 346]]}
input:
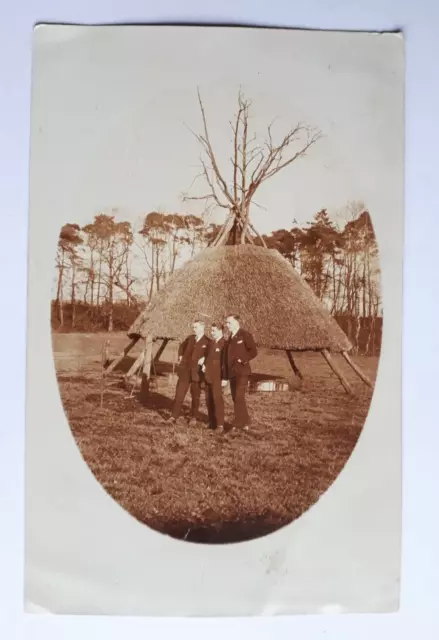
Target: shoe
{"points": [[193, 422], [245, 428], [171, 420]]}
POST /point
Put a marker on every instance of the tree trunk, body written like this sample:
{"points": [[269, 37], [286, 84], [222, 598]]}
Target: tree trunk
{"points": [[92, 277], [151, 288], [364, 288], [98, 297], [60, 305], [73, 300], [110, 311], [157, 270], [59, 293], [127, 275], [110, 302]]}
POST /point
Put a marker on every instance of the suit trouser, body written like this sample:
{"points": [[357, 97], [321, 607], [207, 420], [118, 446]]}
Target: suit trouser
{"points": [[238, 388], [183, 385], [215, 403]]}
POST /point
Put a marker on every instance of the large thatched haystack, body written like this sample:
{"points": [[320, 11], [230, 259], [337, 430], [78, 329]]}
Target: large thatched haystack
{"points": [[259, 284], [236, 276]]}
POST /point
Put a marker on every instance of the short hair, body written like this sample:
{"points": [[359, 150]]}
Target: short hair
{"points": [[198, 321], [235, 316], [218, 325]]}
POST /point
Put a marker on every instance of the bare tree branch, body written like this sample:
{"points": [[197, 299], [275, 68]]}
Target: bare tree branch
{"points": [[252, 163], [211, 154]]}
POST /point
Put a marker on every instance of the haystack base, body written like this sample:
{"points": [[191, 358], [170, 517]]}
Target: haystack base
{"points": [[121, 356], [160, 350], [336, 370], [294, 366], [357, 369], [146, 371]]}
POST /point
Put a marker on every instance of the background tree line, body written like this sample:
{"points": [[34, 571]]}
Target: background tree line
{"points": [[106, 270]]}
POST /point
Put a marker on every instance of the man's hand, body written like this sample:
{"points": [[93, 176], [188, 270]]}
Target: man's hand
{"points": [[179, 359], [223, 383], [201, 361]]}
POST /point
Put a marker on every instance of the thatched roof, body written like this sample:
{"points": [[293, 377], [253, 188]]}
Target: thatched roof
{"points": [[259, 284]]}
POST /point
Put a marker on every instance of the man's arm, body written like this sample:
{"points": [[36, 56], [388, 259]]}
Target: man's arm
{"points": [[223, 365], [182, 348], [250, 346]]}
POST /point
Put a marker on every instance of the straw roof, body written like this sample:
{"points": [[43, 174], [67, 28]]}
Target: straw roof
{"points": [[274, 302]]}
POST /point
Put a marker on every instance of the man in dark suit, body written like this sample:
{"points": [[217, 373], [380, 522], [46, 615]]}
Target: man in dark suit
{"points": [[240, 350], [191, 355], [214, 375]]}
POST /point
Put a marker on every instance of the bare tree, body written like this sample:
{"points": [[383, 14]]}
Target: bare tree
{"points": [[252, 163], [69, 240]]}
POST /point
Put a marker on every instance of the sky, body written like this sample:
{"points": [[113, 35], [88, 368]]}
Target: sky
{"points": [[111, 108]]}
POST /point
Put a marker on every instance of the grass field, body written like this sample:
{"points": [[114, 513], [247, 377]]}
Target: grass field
{"points": [[192, 483]]}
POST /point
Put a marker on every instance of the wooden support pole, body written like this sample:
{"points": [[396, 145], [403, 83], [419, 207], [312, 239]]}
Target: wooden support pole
{"points": [[146, 370], [336, 370], [264, 244], [104, 357], [160, 350], [357, 369], [121, 356], [222, 236], [135, 366], [294, 366], [248, 235]]}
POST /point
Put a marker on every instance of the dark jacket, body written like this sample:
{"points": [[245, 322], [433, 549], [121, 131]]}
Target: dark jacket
{"points": [[240, 347], [215, 361], [191, 351]]}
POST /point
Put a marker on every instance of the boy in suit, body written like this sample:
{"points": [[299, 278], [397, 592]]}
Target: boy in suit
{"points": [[240, 350], [214, 375], [191, 355]]}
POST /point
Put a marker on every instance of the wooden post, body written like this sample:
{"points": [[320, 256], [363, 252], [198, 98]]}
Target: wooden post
{"points": [[121, 356], [357, 369], [135, 366], [146, 371], [222, 236], [160, 350], [294, 366], [336, 370], [104, 357]]}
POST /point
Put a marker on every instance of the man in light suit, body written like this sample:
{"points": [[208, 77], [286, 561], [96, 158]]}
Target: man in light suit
{"points": [[240, 350]]}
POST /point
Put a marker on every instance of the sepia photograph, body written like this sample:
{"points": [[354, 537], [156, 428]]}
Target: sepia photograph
{"points": [[217, 304]]}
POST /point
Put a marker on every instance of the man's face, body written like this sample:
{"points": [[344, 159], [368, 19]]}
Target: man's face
{"points": [[216, 333], [197, 328], [232, 324]]}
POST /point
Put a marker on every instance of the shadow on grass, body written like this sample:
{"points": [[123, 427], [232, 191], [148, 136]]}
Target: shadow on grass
{"points": [[163, 405], [160, 368], [155, 401]]}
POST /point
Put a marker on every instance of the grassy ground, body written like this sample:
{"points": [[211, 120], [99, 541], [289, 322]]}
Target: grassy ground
{"points": [[193, 483]]}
